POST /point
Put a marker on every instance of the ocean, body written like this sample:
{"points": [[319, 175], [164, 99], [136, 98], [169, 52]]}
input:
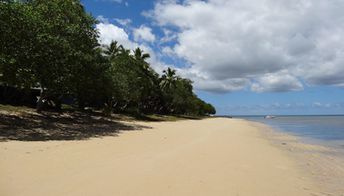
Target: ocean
{"points": [[327, 130]]}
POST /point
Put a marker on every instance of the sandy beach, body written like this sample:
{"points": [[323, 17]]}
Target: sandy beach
{"points": [[215, 156]]}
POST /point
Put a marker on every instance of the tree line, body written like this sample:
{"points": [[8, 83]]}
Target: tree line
{"points": [[53, 46]]}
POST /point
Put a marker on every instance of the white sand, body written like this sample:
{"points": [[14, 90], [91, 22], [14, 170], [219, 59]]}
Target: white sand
{"points": [[206, 157]]}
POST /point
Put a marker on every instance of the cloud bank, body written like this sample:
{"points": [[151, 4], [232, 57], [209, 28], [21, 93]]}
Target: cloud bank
{"points": [[265, 46]]}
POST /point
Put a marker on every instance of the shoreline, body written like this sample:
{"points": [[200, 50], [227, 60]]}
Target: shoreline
{"points": [[322, 162], [317, 138], [215, 156]]}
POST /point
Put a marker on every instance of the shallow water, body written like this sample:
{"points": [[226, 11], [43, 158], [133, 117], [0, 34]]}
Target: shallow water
{"points": [[327, 130]]}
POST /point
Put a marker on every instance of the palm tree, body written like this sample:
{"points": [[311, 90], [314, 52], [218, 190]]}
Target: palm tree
{"points": [[168, 79], [124, 51], [113, 50], [149, 80], [168, 86], [140, 56]]}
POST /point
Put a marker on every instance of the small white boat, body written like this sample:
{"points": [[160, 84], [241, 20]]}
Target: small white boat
{"points": [[269, 117]]}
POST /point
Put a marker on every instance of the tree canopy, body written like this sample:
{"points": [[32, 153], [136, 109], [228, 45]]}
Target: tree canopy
{"points": [[52, 46]]}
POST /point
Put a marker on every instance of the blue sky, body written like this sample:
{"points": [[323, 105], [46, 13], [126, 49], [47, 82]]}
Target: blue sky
{"points": [[280, 57]]}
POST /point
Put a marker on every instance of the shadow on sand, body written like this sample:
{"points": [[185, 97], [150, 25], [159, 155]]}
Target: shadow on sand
{"points": [[162, 118], [66, 126]]}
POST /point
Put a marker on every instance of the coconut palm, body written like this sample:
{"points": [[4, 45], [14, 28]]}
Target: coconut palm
{"points": [[140, 55], [113, 50], [168, 79], [124, 50]]}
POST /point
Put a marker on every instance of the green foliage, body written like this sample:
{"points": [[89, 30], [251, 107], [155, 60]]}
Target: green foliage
{"points": [[52, 45], [47, 44], [18, 26], [134, 84], [179, 97]]}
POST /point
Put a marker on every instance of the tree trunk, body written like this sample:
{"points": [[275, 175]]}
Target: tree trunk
{"points": [[125, 106], [40, 101]]}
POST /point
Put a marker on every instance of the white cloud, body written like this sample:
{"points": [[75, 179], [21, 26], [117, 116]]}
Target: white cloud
{"points": [[327, 105], [168, 36], [221, 86], [203, 81], [123, 22], [271, 45], [168, 51], [115, 1], [109, 32], [317, 104], [143, 33], [277, 82], [102, 19]]}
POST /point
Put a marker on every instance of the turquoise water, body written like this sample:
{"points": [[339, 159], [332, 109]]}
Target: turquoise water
{"points": [[327, 129]]}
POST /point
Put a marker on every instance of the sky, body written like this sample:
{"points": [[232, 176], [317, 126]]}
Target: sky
{"points": [[246, 57]]}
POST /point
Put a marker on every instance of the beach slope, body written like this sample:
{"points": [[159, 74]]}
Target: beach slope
{"points": [[215, 156]]}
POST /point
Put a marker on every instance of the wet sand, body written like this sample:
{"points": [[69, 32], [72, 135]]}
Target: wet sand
{"points": [[319, 161]]}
